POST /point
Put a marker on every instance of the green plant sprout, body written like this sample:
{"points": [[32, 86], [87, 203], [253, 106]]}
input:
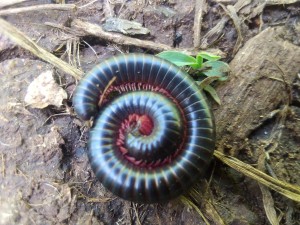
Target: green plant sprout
{"points": [[204, 64]]}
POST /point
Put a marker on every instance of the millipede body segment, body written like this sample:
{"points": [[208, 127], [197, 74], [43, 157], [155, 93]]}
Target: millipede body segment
{"points": [[154, 133]]}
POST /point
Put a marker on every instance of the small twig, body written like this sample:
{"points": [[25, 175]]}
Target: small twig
{"points": [[136, 214], [203, 194], [90, 3], [289, 213], [157, 216], [69, 51], [286, 83], [105, 90], [18, 171], [25, 42], [122, 6], [92, 200], [187, 202], [55, 115], [62, 7], [91, 48], [232, 13], [99, 200], [5, 3], [83, 132], [108, 9], [214, 33], [200, 7], [65, 29], [95, 30], [4, 144], [55, 188], [78, 53], [289, 190], [3, 165], [267, 198]]}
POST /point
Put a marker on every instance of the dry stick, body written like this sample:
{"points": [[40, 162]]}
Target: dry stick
{"points": [[88, 4], [95, 30], [276, 133], [199, 8], [69, 30], [25, 42], [3, 165], [280, 2], [218, 28], [108, 10], [232, 13], [215, 31], [105, 90], [63, 7], [267, 198], [136, 214], [207, 209], [187, 202], [286, 189], [5, 3]]}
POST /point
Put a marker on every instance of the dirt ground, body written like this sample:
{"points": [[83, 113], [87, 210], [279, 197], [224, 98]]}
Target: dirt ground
{"points": [[45, 175]]}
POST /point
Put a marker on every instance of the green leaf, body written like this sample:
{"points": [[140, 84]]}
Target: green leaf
{"points": [[207, 81], [213, 93], [216, 68], [179, 59], [208, 56], [199, 60]]}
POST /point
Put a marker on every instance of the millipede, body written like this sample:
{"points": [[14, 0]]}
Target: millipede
{"points": [[153, 134]]}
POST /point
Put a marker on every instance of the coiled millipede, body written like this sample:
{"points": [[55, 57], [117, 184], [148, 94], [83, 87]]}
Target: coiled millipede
{"points": [[154, 133]]}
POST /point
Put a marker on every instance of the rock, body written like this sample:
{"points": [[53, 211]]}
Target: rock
{"points": [[124, 26], [44, 91], [257, 86]]}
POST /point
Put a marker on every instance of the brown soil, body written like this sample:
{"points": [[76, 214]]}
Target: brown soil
{"points": [[45, 176]]}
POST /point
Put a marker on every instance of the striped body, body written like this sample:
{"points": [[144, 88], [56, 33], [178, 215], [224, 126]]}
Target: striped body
{"points": [[164, 163]]}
